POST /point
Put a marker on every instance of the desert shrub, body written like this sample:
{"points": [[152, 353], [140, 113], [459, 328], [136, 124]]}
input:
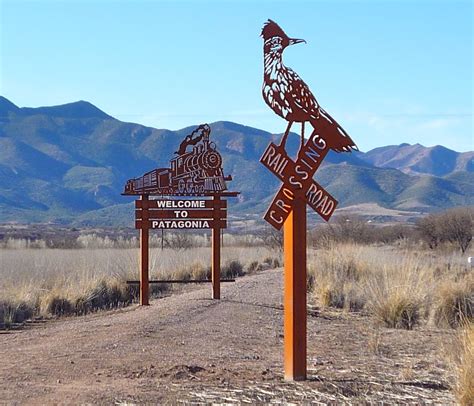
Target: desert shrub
{"points": [[156, 290], [330, 295], [397, 310], [354, 298], [464, 365], [272, 262], [58, 306], [13, 313], [357, 230], [268, 260], [200, 272], [453, 303], [252, 267], [334, 277], [183, 273], [232, 270], [105, 295], [397, 294], [179, 241]]}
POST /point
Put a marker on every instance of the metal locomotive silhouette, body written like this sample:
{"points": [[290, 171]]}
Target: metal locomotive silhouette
{"points": [[195, 171]]}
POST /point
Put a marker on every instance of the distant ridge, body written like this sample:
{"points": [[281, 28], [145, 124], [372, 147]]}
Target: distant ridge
{"points": [[68, 164], [437, 160], [79, 109], [6, 106]]}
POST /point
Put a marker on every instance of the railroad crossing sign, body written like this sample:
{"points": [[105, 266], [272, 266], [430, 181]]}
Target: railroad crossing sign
{"points": [[298, 180], [288, 210], [195, 173], [290, 98]]}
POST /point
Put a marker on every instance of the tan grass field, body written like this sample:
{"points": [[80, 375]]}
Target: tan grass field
{"points": [[399, 287], [60, 281]]}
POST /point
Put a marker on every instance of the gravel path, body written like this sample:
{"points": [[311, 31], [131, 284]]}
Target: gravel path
{"points": [[189, 348]]}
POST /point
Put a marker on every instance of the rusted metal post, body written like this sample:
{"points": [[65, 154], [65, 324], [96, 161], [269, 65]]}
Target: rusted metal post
{"points": [[216, 252], [295, 293], [144, 252]]}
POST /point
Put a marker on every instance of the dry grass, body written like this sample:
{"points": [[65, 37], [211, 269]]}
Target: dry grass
{"points": [[335, 276], [465, 367], [399, 288], [45, 282], [454, 302]]}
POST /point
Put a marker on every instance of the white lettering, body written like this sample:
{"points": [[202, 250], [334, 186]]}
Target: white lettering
{"points": [[274, 219], [269, 153], [329, 208], [180, 224]]}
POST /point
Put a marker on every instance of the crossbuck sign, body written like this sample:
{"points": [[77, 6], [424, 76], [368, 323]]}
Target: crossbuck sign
{"points": [[298, 180]]}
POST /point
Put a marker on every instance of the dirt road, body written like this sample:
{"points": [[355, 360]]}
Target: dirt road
{"points": [[189, 348]]}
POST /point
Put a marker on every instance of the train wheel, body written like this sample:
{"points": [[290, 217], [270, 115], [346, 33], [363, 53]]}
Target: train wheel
{"points": [[189, 186], [181, 186]]}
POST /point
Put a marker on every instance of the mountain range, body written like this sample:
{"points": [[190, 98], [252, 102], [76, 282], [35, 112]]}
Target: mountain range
{"points": [[68, 164]]}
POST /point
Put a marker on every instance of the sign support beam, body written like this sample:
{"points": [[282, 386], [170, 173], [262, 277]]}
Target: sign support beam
{"points": [[144, 261], [216, 257], [294, 302]]}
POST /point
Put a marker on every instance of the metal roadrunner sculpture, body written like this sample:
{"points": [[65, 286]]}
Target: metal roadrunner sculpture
{"points": [[289, 96], [196, 170]]}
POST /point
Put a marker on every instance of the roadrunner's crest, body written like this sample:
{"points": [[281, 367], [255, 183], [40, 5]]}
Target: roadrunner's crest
{"points": [[289, 96]]}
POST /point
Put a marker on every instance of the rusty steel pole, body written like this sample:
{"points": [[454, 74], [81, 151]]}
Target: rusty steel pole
{"points": [[144, 257], [294, 235], [216, 251]]}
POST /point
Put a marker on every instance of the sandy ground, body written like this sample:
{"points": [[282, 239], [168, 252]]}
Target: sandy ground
{"points": [[188, 348]]}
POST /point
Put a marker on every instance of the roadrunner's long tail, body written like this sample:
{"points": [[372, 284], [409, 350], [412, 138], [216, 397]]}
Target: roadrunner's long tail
{"points": [[334, 134]]}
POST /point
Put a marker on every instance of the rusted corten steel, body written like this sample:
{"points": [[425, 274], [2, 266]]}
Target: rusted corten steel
{"points": [[157, 214], [294, 325], [144, 263], [216, 254], [196, 177], [183, 204], [195, 171], [289, 97]]}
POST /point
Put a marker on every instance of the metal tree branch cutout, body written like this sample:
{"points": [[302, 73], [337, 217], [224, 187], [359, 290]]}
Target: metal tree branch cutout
{"points": [[290, 97], [196, 172]]}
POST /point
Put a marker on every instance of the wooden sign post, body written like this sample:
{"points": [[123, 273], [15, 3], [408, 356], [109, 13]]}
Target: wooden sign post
{"points": [[196, 178]]}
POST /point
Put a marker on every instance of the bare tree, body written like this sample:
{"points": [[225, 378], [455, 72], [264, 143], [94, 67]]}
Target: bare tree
{"points": [[456, 226], [350, 229], [429, 230], [272, 238], [178, 241]]}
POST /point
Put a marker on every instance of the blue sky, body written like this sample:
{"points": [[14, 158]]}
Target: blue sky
{"points": [[388, 71]]}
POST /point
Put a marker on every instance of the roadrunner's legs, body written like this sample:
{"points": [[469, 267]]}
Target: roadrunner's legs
{"points": [[285, 136]]}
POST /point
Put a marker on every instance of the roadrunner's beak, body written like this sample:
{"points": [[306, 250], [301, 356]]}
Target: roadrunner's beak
{"points": [[294, 41]]}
